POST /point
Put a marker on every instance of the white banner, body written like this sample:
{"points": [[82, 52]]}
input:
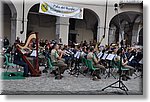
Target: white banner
{"points": [[60, 10]]}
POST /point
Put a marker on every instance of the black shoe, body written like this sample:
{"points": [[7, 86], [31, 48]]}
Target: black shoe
{"points": [[45, 71], [61, 76], [54, 72], [124, 78], [98, 77], [95, 78], [26, 75], [128, 77], [58, 77]]}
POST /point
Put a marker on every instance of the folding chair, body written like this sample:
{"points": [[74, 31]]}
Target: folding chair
{"points": [[91, 67], [8, 63], [85, 64], [116, 65]]}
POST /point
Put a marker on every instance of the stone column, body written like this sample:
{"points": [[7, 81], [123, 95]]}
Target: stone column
{"points": [[13, 31], [100, 33], [1, 20], [62, 29], [111, 35], [19, 29]]}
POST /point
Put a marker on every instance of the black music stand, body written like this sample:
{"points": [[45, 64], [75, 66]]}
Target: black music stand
{"points": [[103, 58], [120, 83], [110, 57], [76, 69]]}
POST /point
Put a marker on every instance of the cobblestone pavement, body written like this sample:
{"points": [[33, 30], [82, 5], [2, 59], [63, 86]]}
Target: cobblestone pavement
{"points": [[47, 84]]}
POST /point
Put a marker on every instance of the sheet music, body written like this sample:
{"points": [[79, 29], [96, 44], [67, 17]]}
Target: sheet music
{"points": [[131, 58], [23, 51], [77, 55], [141, 61], [110, 57], [99, 55], [104, 56], [67, 53], [71, 52], [33, 54]]}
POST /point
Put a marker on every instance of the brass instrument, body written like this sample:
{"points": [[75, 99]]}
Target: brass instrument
{"points": [[96, 46]]}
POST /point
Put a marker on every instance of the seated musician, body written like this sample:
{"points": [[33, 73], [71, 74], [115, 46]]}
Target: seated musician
{"points": [[57, 60], [136, 59], [124, 64], [68, 55], [19, 61], [77, 55], [95, 62], [84, 52]]}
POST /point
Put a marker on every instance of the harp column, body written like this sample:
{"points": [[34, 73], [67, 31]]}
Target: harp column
{"points": [[62, 30]]}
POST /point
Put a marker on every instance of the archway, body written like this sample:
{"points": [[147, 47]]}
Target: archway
{"points": [[124, 23], [9, 21], [42, 23], [84, 29]]}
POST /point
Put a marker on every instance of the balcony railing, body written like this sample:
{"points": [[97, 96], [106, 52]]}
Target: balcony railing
{"points": [[131, 1]]}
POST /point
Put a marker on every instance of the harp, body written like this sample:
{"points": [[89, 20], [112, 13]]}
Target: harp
{"points": [[34, 69], [32, 36]]}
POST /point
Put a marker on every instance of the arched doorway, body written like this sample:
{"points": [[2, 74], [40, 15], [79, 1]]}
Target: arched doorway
{"points": [[42, 23], [9, 21], [124, 23], [84, 29]]}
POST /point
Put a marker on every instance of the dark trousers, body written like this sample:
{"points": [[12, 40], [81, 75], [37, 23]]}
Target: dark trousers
{"points": [[23, 64], [133, 63]]}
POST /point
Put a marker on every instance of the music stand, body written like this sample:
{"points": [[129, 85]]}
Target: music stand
{"points": [[110, 57], [76, 69]]}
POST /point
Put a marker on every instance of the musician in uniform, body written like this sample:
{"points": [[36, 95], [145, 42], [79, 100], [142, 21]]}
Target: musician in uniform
{"points": [[95, 62], [56, 58]]}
